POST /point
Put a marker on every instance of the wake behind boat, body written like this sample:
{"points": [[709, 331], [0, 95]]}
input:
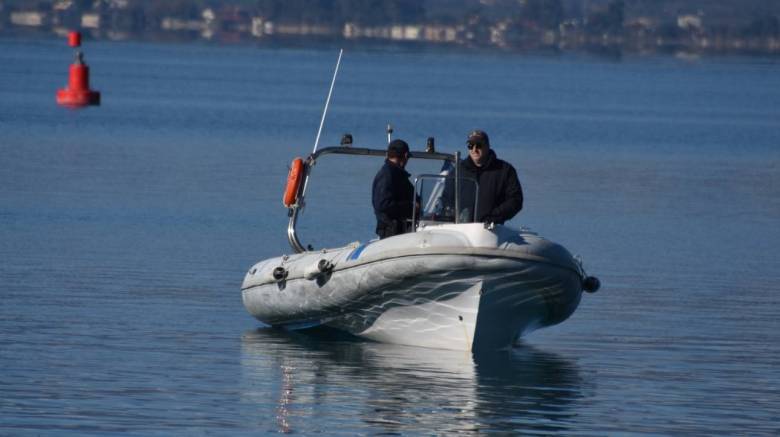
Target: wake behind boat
{"points": [[450, 283]]}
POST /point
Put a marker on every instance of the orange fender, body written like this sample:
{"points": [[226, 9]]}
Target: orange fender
{"points": [[294, 179]]}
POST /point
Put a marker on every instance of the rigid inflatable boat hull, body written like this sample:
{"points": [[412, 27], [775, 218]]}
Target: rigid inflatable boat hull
{"points": [[459, 287]]}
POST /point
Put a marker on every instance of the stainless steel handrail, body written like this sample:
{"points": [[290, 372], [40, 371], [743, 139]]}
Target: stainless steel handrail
{"points": [[311, 160]]}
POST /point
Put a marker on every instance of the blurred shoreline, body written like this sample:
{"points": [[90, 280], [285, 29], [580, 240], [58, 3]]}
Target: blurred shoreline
{"points": [[605, 51], [611, 28]]}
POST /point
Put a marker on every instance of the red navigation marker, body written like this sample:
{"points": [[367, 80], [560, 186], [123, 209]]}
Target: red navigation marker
{"points": [[77, 94], [74, 39]]}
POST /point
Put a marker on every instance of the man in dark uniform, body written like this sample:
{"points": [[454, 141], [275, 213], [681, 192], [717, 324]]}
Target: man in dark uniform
{"points": [[392, 192], [500, 193]]}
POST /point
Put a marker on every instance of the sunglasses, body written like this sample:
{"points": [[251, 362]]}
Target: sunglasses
{"points": [[472, 145]]}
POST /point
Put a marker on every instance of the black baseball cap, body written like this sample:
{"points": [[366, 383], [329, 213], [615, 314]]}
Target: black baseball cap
{"points": [[478, 137], [398, 146]]}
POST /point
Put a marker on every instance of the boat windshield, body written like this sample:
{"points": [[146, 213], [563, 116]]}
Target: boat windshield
{"points": [[438, 203]]}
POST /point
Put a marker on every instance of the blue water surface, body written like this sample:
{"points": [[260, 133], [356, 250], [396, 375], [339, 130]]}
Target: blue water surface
{"points": [[126, 229]]}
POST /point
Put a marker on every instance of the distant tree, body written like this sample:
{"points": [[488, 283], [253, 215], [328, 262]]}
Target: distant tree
{"points": [[669, 32], [305, 11], [174, 8], [377, 12], [82, 5], [362, 12], [132, 19], [337, 12], [404, 11], [607, 21], [763, 27], [547, 14]]}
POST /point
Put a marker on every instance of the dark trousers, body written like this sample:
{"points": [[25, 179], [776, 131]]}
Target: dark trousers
{"points": [[391, 227]]}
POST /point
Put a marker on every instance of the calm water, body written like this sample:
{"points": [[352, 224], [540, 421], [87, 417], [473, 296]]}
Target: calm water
{"points": [[125, 232]]}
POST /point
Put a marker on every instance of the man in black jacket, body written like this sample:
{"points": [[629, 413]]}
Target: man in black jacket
{"points": [[500, 193], [392, 192]]}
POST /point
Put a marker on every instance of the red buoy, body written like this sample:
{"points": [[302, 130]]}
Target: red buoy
{"points": [[77, 94], [74, 39]]}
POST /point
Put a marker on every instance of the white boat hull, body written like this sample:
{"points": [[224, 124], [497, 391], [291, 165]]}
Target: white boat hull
{"points": [[459, 287]]}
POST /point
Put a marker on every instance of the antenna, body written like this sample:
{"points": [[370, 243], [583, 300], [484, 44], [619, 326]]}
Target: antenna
{"points": [[327, 102], [319, 131]]}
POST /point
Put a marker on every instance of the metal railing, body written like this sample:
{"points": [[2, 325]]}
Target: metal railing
{"points": [[311, 160]]}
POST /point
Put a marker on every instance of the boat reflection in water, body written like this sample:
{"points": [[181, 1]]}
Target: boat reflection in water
{"points": [[324, 379]]}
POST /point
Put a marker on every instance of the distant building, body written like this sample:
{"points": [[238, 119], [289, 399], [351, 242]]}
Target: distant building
{"points": [[689, 22], [641, 23], [234, 21], [90, 20], [436, 33], [208, 15], [350, 31], [298, 29], [65, 16], [498, 33], [354, 31], [258, 25], [28, 18], [400, 32], [179, 24], [62, 5], [208, 24], [268, 28], [405, 33]]}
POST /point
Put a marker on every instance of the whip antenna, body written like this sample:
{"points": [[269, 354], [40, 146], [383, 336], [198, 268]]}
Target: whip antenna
{"points": [[327, 101], [322, 122]]}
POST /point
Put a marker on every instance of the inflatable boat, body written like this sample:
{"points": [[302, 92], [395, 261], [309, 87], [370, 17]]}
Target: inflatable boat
{"points": [[448, 283]]}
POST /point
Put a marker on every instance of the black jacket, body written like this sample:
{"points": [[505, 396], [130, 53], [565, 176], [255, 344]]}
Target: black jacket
{"points": [[500, 193], [392, 199]]}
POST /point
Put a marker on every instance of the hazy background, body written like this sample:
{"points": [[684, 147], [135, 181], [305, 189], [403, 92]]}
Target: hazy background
{"points": [[607, 27], [126, 229]]}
